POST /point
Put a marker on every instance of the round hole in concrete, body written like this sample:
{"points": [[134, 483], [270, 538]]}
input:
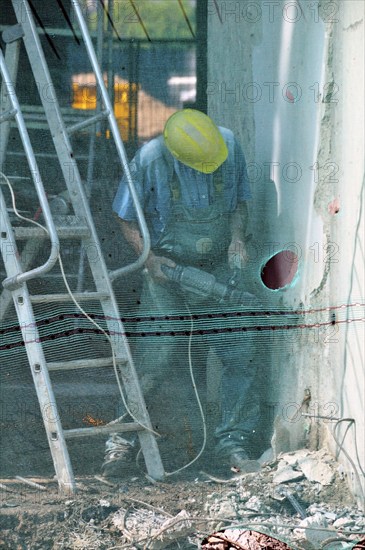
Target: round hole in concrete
{"points": [[280, 270]]}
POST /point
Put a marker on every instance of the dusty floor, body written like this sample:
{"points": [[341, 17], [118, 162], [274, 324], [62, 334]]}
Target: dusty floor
{"points": [[131, 514]]}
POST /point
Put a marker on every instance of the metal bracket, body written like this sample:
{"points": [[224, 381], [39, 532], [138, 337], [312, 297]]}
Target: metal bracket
{"points": [[12, 34]]}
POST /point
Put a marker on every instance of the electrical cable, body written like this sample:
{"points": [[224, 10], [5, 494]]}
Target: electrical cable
{"points": [[110, 19], [343, 438], [340, 445], [48, 37], [140, 20], [111, 345], [352, 422], [347, 454], [80, 308], [197, 399], [68, 21], [186, 18], [351, 286], [357, 450]]}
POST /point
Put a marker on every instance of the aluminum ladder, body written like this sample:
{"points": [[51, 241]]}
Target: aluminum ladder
{"points": [[82, 228]]}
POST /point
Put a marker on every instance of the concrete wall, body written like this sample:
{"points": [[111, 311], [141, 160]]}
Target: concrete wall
{"points": [[287, 77]]}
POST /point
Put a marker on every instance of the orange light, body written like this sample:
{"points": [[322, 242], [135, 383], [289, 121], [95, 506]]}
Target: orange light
{"points": [[88, 419], [84, 97]]}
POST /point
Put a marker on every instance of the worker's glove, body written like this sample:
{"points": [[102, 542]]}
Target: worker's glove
{"points": [[153, 265], [237, 254]]}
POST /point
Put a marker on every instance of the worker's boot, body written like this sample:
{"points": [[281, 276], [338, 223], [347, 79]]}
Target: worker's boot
{"points": [[120, 457], [240, 462]]}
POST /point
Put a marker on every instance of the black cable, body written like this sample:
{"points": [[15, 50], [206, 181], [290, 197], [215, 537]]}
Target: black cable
{"points": [[186, 18], [110, 19], [40, 23], [68, 20], [140, 20]]}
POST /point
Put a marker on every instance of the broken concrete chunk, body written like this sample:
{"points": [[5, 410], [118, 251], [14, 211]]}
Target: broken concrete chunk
{"points": [[343, 522], [330, 516], [146, 524], [316, 471], [227, 509], [286, 474], [293, 457], [255, 504], [282, 464], [315, 536]]}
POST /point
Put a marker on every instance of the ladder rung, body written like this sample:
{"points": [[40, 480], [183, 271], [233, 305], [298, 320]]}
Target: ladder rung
{"points": [[8, 115], [79, 296], [100, 430], [44, 155], [84, 363], [64, 232], [88, 122]]}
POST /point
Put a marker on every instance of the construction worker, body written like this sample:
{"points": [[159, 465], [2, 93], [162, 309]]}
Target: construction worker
{"points": [[193, 187]]}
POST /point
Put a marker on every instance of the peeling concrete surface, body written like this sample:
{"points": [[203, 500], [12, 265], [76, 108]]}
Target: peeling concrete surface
{"points": [[327, 353]]}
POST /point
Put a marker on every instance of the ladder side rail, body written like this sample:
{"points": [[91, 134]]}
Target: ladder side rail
{"points": [[69, 166], [117, 333], [97, 264], [100, 114], [66, 158], [28, 254], [17, 279], [120, 148], [61, 141], [12, 61], [36, 357]]}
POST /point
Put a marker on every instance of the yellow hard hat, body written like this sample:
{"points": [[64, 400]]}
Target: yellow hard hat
{"points": [[194, 139]]}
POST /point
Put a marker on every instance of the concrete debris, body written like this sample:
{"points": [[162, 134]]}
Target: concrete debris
{"points": [[293, 457], [316, 466], [314, 536], [147, 526], [343, 523], [341, 471], [284, 475], [301, 475], [226, 507], [330, 516], [255, 504], [316, 471]]}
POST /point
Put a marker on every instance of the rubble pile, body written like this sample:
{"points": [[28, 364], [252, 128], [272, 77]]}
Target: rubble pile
{"points": [[146, 526], [299, 501], [300, 498]]}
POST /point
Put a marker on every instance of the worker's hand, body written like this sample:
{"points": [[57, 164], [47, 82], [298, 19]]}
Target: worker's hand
{"points": [[237, 254], [154, 263]]}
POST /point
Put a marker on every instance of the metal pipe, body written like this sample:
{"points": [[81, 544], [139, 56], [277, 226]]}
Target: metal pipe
{"points": [[100, 115], [16, 281], [120, 149], [86, 123]]}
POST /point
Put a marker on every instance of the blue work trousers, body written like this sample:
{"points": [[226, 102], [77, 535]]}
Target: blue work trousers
{"points": [[163, 332]]}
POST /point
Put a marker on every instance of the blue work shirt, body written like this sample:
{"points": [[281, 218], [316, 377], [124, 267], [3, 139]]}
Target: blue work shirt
{"points": [[152, 171]]}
